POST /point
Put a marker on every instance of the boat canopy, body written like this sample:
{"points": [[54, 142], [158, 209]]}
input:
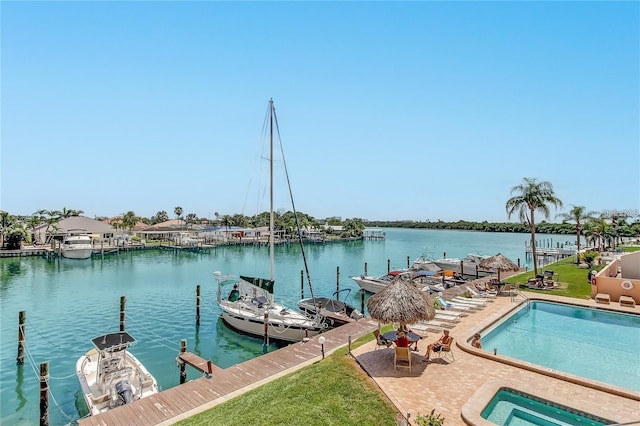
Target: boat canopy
{"points": [[263, 283], [113, 341]]}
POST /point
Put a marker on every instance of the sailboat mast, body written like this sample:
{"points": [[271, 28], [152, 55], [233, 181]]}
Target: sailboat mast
{"points": [[271, 221]]}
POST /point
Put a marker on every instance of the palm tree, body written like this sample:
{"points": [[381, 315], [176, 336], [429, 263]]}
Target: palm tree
{"points": [[532, 196], [578, 215], [178, 213], [129, 220]]}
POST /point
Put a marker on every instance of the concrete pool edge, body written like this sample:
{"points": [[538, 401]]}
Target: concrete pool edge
{"points": [[464, 345], [473, 407]]}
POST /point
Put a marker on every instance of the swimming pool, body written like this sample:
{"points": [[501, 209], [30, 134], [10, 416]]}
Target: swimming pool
{"points": [[592, 343], [513, 408]]}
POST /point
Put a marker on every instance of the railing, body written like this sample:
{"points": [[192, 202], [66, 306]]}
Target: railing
{"points": [[515, 292]]}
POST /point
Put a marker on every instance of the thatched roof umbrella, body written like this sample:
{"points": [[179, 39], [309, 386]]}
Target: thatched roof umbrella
{"points": [[400, 301], [499, 263]]}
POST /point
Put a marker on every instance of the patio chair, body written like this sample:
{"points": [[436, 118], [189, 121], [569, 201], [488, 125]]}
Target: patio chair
{"points": [[446, 352], [452, 306], [603, 298], [402, 355], [508, 290], [381, 341], [627, 301]]}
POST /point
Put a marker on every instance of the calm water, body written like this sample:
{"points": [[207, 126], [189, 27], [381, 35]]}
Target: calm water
{"points": [[68, 302], [591, 343]]}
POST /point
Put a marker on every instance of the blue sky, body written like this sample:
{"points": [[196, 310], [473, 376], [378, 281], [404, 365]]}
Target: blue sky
{"points": [[387, 110]]}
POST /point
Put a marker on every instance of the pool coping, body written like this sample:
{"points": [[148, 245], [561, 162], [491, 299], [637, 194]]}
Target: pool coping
{"points": [[472, 409], [465, 345]]}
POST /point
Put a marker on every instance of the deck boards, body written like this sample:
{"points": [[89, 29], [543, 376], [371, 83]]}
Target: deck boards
{"points": [[184, 398]]}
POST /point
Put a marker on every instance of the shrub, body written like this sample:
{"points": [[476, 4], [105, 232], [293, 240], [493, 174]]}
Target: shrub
{"points": [[431, 419]]}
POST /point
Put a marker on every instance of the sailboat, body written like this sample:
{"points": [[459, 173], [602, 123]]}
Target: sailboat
{"points": [[249, 306]]}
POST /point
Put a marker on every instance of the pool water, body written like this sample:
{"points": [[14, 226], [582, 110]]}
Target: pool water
{"points": [[513, 408], [592, 343]]}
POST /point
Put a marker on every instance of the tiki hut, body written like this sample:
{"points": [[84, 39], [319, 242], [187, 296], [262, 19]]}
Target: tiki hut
{"points": [[400, 301], [499, 263]]}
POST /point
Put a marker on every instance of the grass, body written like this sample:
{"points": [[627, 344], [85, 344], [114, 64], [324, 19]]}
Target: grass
{"points": [[572, 280], [334, 391]]}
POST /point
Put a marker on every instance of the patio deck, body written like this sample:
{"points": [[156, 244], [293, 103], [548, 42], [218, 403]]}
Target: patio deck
{"points": [[460, 390]]}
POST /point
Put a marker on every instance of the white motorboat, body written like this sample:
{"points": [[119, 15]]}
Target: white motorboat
{"points": [[77, 244], [373, 285], [111, 376], [466, 266], [249, 307]]}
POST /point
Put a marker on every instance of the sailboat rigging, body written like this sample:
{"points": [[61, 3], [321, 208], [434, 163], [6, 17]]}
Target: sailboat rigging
{"points": [[249, 306]]}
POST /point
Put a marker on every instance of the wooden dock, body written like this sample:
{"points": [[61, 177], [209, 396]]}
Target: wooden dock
{"points": [[188, 399]]}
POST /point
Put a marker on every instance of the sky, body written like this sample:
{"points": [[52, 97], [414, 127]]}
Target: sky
{"points": [[386, 110]]}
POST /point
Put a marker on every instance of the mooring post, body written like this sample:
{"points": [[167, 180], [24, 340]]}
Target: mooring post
{"points": [[362, 300], [365, 269], [461, 267], [477, 272], [183, 365], [388, 265], [337, 282], [123, 302], [44, 394], [198, 304], [266, 331], [349, 344], [22, 315], [302, 284], [408, 264]]}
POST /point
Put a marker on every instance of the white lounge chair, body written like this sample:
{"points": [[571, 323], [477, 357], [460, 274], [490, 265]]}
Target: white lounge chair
{"points": [[475, 293], [454, 306]]}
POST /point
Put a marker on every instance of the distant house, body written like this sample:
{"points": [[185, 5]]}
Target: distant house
{"points": [[168, 230], [98, 229]]}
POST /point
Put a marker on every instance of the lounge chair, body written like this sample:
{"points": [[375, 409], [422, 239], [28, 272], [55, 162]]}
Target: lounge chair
{"points": [[627, 301], [471, 300], [402, 355], [603, 298], [381, 341], [446, 352], [454, 306], [484, 294]]}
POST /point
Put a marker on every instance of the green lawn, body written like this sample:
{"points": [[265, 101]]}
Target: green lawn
{"points": [[332, 392]]}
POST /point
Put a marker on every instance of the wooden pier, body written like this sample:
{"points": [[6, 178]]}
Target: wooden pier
{"points": [[190, 398]]}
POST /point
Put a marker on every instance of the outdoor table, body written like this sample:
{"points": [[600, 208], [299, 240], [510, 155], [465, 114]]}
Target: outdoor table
{"points": [[391, 336]]}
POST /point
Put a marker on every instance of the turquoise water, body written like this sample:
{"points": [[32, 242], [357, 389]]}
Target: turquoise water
{"points": [[68, 302], [591, 343], [512, 408]]}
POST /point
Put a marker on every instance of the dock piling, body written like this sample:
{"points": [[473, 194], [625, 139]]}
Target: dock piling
{"points": [[337, 282], [183, 365], [44, 394], [22, 315], [123, 302], [198, 304], [302, 284]]}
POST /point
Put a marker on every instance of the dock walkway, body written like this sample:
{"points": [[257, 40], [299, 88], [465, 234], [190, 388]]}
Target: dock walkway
{"points": [[188, 399]]}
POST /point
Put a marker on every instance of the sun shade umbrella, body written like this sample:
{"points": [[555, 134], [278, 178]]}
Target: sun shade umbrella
{"points": [[500, 263], [400, 301]]}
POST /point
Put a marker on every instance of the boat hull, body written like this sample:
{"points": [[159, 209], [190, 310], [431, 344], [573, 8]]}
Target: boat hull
{"points": [[276, 330], [77, 253]]}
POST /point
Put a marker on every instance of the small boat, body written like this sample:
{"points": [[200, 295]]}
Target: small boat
{"points": [[77, 244], [111, 376], [373, 285], [249, 307], [335, 312]]}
